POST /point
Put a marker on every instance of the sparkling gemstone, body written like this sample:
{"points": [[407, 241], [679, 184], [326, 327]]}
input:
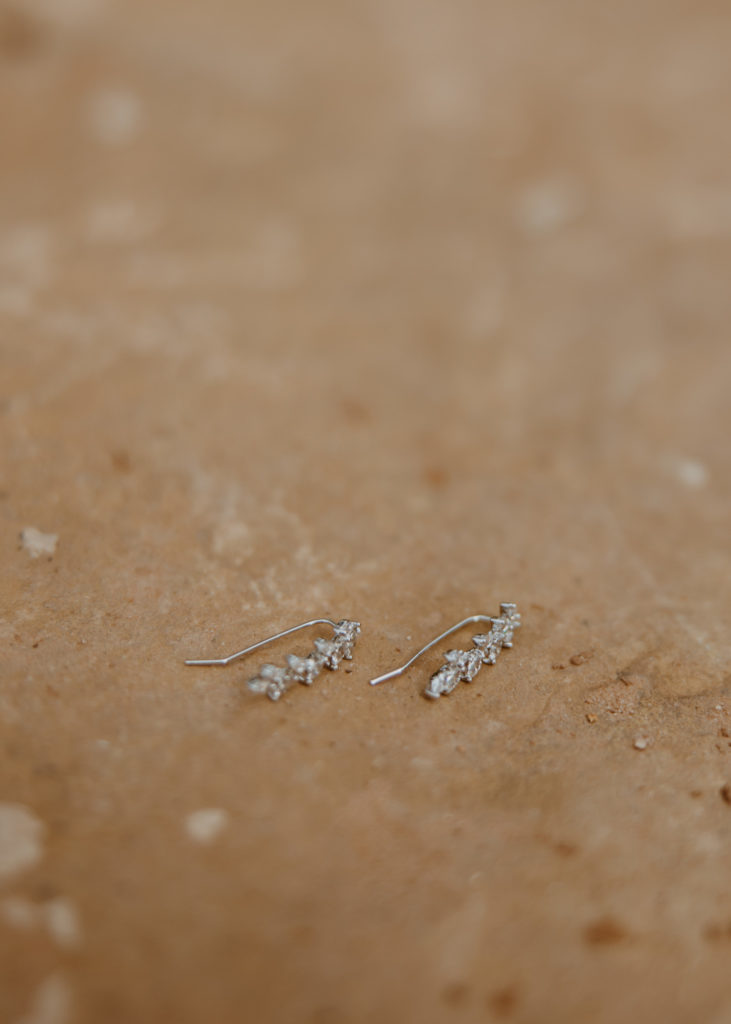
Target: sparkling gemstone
{"points": [[491, 655], [489, 646], [348, 629], [467, 663], [502, 630], [271, 680], [330, 652], [472, 664], [510, 611], [274, 673], [303, 670], [345, 635], [432, 689], [444, 680], [511, 617]]}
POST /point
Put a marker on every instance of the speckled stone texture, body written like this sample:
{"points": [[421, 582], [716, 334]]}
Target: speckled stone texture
{"points": [[388, 311]]}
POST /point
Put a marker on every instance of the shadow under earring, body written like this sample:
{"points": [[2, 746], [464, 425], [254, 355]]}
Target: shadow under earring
{"points": [[274, 680]]}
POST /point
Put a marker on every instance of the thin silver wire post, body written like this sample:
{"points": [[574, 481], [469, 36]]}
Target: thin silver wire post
{"points": [[432, 643], [261, 643]]}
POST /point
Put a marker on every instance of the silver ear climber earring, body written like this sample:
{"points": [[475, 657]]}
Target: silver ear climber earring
{"points": [[463, 666], [274, 681]]}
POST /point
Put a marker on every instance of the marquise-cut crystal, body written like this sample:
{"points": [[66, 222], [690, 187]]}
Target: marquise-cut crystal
{"points": [[304, 670], [467, 663], [348, 629], [345, 635], [510, 616], [443, 681], [272, 680], [489, 646], [500, 630], [472, 664], [330, 651]]}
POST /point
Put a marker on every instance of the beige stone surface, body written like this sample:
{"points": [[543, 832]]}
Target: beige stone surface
{"points": [[391, 310]]}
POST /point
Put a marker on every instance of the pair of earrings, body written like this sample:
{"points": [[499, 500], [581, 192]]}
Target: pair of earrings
{"points": [[459, 666]]}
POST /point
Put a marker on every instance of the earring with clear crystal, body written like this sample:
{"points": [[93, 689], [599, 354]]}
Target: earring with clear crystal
{"points": [[274, 680], [463, 666]]}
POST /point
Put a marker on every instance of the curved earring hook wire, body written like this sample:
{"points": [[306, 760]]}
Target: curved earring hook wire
{"points": [[432, 643], [261, 643]]}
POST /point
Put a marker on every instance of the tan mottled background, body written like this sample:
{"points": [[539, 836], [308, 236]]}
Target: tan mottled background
{"points": [[386, 309]]}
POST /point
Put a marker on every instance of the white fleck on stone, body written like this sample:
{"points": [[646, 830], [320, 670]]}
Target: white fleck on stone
{"points": [[232, 539], [62, 921], [486, 311], [548, 206], [275, 259], [491, 727], [115, 116], [708, 843], [15, 300], [452, 947], [641, 743], [51, 1003], [25, 255], [691, 472], [443, 97], [21, 840], [58, 916], [68, 13], [7, 631], [698, 214], [37, 543], [19, 913], [205, 825], [120, 221]]}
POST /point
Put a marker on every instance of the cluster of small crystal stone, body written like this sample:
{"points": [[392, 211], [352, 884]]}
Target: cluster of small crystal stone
{"points": [[463, 666], [274, 681]]}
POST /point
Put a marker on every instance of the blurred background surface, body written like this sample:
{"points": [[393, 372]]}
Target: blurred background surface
{"points": [[387, 310]]}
